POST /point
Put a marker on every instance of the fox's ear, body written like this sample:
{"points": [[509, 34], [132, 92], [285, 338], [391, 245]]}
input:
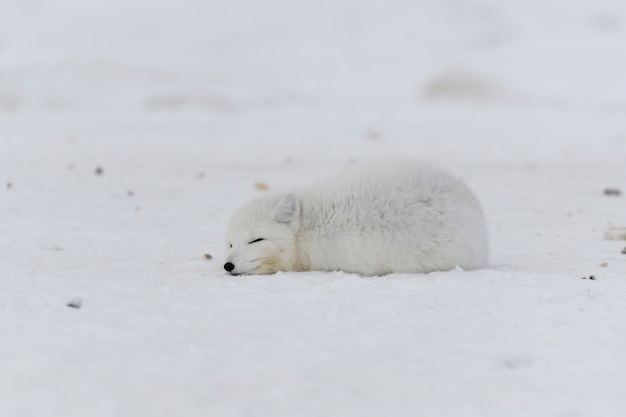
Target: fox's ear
{"points": [[287, 209]]}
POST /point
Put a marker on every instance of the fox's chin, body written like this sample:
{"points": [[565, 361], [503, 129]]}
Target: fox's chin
{"points": [[252, 272]]}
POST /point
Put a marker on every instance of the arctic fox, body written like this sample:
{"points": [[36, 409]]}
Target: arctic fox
{"points": [[395, 217]]}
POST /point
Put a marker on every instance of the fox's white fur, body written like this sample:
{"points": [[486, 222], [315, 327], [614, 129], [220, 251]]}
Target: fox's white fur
{"points": [[394, 217]]}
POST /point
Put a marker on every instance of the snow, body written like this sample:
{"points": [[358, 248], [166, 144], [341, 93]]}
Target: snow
{"points": [[186, 107]]}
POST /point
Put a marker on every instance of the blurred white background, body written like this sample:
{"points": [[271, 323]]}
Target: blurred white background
{"points": [[279, 56]]}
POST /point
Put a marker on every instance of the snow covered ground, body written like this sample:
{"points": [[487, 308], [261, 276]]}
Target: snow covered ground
{"points": [[130, 131]]}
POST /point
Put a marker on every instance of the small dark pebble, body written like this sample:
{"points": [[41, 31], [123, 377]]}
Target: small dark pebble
{"points": [[9, 185], [130, 193], [75, 303], [99, 171], [592, 277], [624, 250], [208, 256], [612, 191]]}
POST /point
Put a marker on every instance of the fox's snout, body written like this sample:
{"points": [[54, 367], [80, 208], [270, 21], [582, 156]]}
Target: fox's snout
{"points": [[229, 266]]}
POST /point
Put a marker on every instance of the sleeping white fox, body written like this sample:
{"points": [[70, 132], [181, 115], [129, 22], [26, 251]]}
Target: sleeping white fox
{"points": [[395, 217]]}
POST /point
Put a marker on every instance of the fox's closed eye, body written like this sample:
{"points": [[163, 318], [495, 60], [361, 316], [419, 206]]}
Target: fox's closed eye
{"points": [[256, 240]]}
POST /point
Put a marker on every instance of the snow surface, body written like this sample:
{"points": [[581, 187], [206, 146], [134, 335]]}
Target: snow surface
{"points": [[185, 107]]}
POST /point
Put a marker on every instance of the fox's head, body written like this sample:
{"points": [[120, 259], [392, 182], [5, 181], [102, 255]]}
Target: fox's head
{"points": [[261, 237]]}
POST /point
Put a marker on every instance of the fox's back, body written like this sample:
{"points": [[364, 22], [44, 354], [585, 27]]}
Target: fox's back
{"points": [[401, 217]]}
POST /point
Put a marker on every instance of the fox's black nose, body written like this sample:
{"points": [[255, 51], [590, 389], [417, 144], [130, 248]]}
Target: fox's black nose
{"points": [[229, 266]]}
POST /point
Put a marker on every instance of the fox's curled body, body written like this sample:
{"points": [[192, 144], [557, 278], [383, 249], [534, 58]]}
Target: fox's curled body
{"points": [[395, 217]]}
